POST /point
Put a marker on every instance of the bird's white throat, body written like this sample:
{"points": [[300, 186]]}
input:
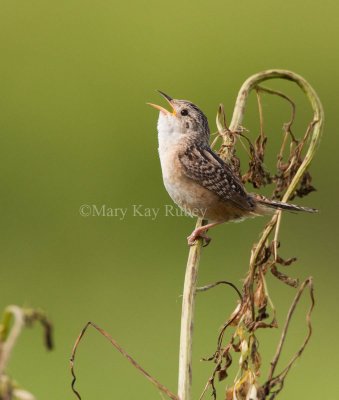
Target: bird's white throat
{"points": [[169, 132]]}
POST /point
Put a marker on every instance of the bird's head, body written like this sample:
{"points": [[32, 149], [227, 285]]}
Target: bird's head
{"points": [[185, 120]]}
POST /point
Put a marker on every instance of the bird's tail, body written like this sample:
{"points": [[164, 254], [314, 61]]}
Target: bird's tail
{"points": [[279, 205]]}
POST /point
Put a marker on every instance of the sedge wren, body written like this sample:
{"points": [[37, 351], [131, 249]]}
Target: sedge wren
{"points": [[196, 178]]}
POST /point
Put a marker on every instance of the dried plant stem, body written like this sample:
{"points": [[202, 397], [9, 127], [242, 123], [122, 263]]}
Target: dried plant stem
{"points": [[186, 336], [187, 317], [6, 346], [14, 320], [155, 382], [307, 283]]}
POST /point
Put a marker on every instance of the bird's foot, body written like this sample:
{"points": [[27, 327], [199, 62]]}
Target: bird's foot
{"points": [[198, 234]]}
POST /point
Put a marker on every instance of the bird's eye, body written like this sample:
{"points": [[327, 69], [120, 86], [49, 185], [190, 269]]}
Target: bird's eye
{"points": [[184, 112]]}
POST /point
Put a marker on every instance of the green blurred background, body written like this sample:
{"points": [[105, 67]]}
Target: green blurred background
{"points": [[74, 78]]}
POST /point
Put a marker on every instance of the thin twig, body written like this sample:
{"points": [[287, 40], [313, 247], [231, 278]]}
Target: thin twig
{"points": [[307, 283], [276, 235], [212, 285], [283, 95], [261, 116], [156, 383]]}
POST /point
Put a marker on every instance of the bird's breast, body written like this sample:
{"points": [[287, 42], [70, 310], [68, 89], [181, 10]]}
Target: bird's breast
{"points": [[185, 192]]}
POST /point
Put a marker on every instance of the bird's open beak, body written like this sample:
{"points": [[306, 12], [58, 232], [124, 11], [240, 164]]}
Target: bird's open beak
{"points": [[162, 109]]}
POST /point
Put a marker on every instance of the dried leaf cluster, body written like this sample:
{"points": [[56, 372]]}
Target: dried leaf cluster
{"points": [[256, 310]]}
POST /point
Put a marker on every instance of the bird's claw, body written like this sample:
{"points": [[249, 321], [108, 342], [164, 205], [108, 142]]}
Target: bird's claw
{"points": [[194, 236], [206, 240]]}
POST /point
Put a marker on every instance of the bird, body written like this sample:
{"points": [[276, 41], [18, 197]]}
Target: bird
{"points": [[197, 179]]}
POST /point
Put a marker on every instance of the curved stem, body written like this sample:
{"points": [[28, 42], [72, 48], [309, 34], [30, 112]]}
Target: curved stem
{"points": [[6, 346], [187, 316]]}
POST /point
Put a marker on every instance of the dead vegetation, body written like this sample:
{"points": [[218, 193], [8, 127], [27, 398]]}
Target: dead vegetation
{"points": [[14, 320], [255, 309]]}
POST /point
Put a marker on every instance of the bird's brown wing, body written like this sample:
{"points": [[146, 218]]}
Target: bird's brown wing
{"points": [[210, 171]]}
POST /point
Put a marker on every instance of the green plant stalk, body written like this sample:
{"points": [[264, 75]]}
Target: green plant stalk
{"points": [[188, 302]]}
